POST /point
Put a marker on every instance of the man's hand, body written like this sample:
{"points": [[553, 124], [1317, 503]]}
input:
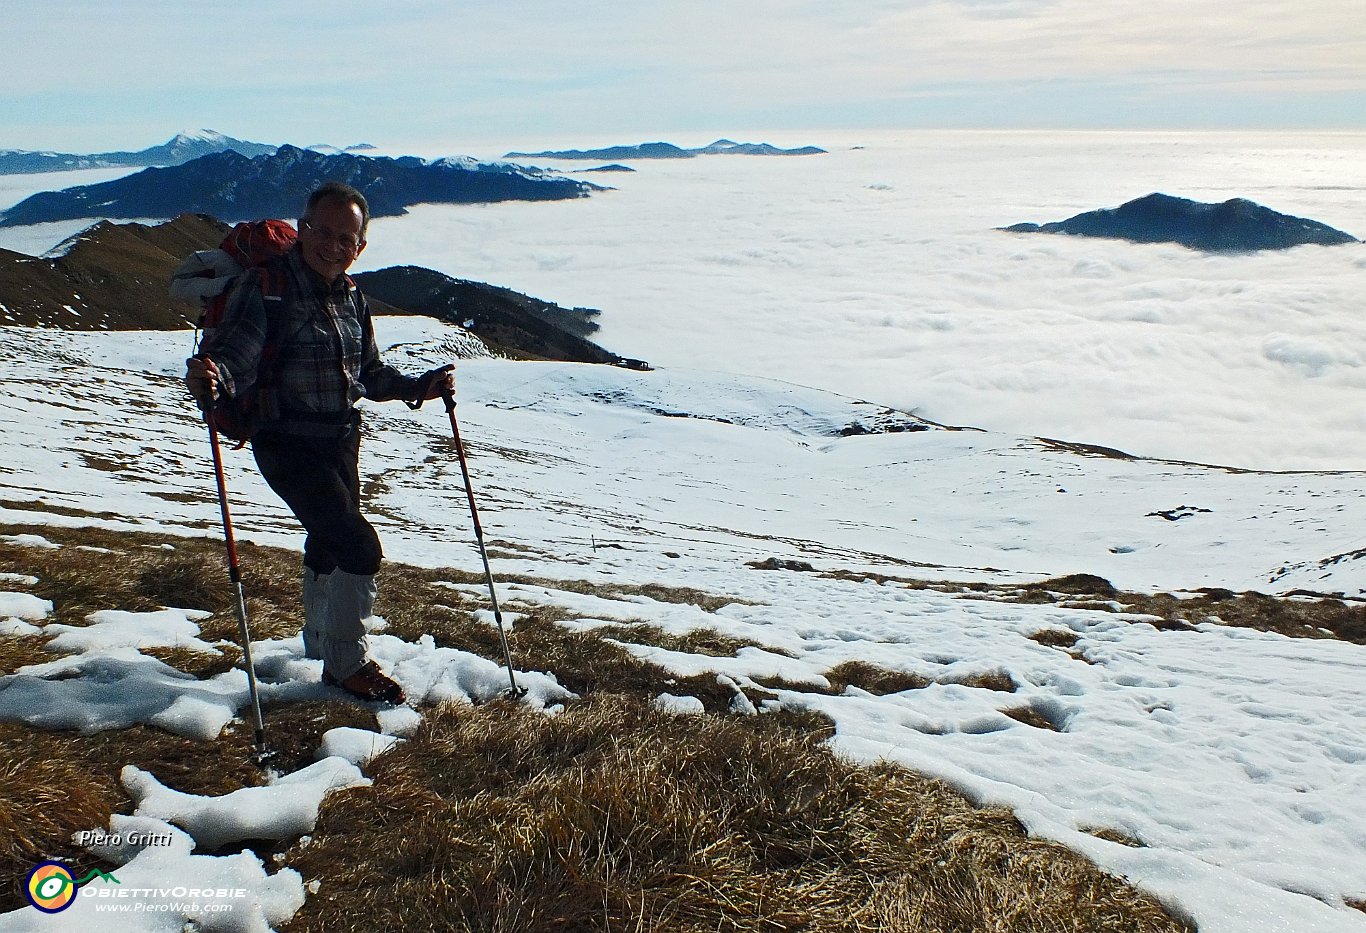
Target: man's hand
{"points": [[203, 381], [438, 382]]}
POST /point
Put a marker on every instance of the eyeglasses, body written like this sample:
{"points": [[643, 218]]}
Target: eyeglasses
{"points": [[347, 241]]}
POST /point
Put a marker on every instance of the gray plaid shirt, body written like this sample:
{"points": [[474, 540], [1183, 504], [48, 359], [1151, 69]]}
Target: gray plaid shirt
{"points": [[327, 356]]}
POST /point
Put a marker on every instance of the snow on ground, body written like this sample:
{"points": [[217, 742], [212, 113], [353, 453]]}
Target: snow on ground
{"points": [[164, 887], [107, 683], [20, 606], [1234, 760], [284, 809], [357, 746]]}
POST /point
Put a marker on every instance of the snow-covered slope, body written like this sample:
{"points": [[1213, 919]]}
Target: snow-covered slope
{"points": [[713, 467], [1235, 759]]}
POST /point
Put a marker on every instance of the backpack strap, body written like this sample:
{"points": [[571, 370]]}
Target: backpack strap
{"points": [[274, 284], [275, 298]]}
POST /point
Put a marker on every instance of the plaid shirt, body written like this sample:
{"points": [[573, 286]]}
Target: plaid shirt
{"points": [[326, 360]]}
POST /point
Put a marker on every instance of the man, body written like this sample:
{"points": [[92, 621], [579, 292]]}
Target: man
{"points": [[308, 444]]}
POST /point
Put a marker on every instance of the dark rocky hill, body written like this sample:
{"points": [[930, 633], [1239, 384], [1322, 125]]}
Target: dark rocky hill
{"points": [[499, 316], [234, 187], [667, 151], [178, 149], [115, 277], [1235, 225]]}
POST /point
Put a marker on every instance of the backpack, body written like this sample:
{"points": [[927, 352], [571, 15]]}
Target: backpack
{"points": [[207, 275]]}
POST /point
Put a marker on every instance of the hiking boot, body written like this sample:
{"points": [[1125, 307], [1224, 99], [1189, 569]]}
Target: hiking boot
{"points": [[368, 683]]}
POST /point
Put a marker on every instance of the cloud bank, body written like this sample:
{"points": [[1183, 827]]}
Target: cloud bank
{"points": [[877, 272]]}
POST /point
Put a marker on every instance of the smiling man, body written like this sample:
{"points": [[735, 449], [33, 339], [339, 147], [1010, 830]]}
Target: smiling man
{"points": [[298, 332]]}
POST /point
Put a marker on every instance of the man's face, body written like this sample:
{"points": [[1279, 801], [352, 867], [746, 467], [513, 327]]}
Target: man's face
{"points": [[331, 237]]}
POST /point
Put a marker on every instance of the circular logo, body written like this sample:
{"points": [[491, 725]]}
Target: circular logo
{"points": [[51, 887]]}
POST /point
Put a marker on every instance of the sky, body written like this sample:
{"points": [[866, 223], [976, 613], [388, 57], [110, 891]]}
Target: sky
{"points": [[89, 76], [1236, 758]]}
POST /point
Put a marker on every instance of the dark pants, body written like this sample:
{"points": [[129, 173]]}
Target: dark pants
{"points": [[319, 480]]}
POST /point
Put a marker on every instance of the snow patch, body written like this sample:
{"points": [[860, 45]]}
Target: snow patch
{"points": [[231, 894], [357, 746], [24, 606], [682, 705], [26, 540], [112, 629], [286, 808]]}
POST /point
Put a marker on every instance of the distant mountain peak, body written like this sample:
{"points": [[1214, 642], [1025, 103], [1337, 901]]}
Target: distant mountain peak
{"points": [[180, 148], [200, 135], [330, 149]]}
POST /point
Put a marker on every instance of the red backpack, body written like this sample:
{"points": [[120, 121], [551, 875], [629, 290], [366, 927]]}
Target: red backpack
{"points": [[250, 244], [207, 275]]}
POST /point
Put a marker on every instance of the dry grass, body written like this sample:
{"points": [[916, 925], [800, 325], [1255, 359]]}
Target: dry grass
{"points": [[613, 816], [997, 680], [56, 784], [1076, 584], [294, 731], [18, 651], [1308, 616], [610, 816], [412, 605], [45, 796], [707, 641], [1055, 637], [186, 581], [680, 595], [872, 678], [1032, 716], [200, 664], [584, 662], [53, 784], [1297, 615], [96, 569], [1114, 835], [144, 572]]}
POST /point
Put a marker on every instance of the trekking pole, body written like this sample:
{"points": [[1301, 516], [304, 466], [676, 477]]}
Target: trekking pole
{"points": [[516, 691], [235, 574]]}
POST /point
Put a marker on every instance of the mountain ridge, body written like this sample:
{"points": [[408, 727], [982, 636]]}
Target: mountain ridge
{"points": [[663, 150], [234, 187], [181, 148], [113, 277]]}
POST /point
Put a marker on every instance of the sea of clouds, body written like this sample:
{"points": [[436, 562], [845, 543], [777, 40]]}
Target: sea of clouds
{"points": [[876, 271]]}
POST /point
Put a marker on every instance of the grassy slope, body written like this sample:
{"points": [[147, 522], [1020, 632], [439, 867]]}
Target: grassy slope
{"points": [[612, 815]]}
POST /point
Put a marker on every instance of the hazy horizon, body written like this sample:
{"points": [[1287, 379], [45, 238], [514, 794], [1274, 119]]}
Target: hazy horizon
{"points": [[876, 272], [82, 72]]}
